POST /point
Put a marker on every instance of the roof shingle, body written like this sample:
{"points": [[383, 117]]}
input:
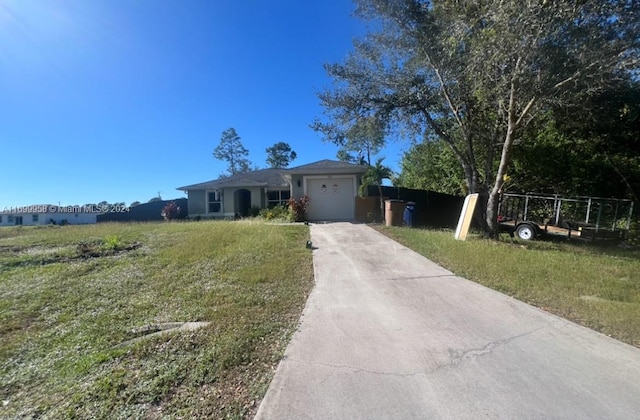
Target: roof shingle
{"points": [[275, 178]]}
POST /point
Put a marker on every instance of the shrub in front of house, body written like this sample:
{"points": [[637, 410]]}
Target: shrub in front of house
{"points": [[280, 212], [254, 211], [298, 208]]}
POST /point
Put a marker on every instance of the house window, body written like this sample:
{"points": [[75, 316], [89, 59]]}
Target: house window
{"points": [[10, 220], [0, 218], [275, 198], [214, 203], [34, 218]]}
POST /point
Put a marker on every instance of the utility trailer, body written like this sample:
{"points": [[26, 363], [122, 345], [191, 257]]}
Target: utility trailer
{"points": [[529, 216]]}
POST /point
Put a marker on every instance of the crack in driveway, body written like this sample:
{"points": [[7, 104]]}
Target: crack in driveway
{"points": [[457, 357]]}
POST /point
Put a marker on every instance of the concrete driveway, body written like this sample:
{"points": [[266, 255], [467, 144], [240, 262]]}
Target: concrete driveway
{"points": [[387, 334]]}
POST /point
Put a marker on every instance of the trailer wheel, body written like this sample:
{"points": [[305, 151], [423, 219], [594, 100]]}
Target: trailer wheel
{"points": [[526, 232]]}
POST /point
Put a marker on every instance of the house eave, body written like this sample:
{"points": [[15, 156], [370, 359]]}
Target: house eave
{"points": [[234, 185], [331, 171]]}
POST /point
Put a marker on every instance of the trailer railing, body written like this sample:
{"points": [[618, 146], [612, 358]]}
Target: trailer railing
{"points": [[593, 215]]}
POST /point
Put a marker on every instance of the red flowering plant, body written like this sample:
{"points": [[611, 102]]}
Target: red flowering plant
{"points": [[171, 211], [298, 208]]}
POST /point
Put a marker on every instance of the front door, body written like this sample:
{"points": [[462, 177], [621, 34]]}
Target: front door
{"points": [[242, 199]]}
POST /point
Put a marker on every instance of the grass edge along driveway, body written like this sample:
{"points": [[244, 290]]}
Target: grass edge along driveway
{"points": [[74, 299], [597, 287]]}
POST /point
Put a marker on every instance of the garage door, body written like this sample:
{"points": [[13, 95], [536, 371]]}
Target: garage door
{"points": [[331, 198]]}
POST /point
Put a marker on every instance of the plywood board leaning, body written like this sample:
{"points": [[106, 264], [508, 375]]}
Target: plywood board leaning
{"points": [[464, 223]]}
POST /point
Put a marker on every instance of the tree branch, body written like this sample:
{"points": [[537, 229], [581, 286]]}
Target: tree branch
{"points": [[571, 78], [456, 151], [526, 110], [447, 97]]}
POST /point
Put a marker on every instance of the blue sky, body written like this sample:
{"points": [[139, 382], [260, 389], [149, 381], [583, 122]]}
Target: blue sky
{"points": [[120, 100]]}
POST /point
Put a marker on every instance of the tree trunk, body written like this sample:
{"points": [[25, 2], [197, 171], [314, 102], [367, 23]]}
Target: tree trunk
{"points": [[513, 122], [494, 195], [492, 215], [493, 200]]}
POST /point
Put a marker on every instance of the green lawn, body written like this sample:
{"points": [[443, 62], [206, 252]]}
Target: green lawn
{"points": [[598, 287], [72, 298]]}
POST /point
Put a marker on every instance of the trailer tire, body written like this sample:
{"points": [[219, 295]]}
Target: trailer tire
{"points": [[526, 232]]}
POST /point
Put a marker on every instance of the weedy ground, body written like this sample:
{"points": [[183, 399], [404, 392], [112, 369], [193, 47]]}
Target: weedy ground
{"points": [[74, 299], [596, 286]]}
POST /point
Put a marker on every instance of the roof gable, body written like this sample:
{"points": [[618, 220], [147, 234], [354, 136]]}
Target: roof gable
{"points": [[329, 165], [261, 178], [277, 178]]}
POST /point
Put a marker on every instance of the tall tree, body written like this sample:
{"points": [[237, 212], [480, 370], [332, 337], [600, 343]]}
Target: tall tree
{"points": [[358, 141], [590, 149], [231, 150], [431, 166], [475, 73], [280, 155]]}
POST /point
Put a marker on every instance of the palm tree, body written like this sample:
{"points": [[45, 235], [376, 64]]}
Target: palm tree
{"points": [[374, 176]]}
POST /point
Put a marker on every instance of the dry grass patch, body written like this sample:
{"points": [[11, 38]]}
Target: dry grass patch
{"points": [[71, 296]]}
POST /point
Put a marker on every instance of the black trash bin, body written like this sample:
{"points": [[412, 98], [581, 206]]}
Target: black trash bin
{"points": [[408, 213]]}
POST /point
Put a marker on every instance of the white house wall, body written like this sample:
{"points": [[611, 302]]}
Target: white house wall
{"points": [[72, 219], [48, 218], [199, 206], [297, 186]]}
